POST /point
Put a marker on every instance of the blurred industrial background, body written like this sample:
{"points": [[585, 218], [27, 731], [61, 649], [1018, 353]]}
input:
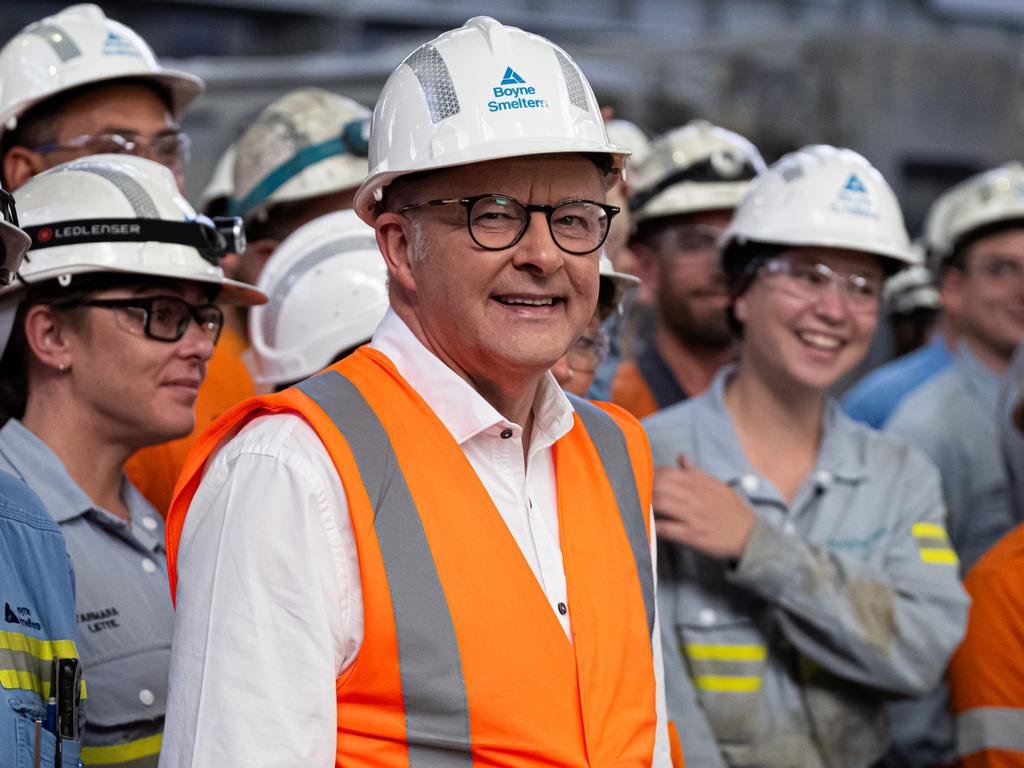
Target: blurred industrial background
{"points": [[929, 90]]}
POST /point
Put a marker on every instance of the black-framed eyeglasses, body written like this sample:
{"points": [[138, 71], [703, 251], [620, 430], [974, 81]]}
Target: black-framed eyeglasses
{"points": [[496, 222], [170, 148], [165, 318]]}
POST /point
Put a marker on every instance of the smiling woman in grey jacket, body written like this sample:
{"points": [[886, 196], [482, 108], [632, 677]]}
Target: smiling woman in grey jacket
{"points": [[805, 573]]}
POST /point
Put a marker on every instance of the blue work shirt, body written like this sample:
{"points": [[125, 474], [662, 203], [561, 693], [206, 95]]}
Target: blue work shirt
{"points": [[953, 418], [123, 604], [873, 399], [843, 599], [37, 590]]}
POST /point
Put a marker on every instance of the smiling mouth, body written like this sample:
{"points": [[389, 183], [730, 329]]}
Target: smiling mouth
{"points": [[820, 341], [521, 301]]}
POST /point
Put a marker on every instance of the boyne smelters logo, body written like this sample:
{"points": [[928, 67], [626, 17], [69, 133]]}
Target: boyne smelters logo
{"points": [[854, 199], [514, 93]]}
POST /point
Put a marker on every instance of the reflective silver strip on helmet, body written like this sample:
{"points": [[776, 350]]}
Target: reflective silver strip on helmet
{"points": [[140, 200], [275, 299], [436, 82], [573, 81], [58, 39]]}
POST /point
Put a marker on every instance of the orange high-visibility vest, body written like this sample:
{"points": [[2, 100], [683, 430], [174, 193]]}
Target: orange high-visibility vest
{"points": [[463, 660]]}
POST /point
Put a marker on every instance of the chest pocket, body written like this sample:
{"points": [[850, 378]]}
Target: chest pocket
{"points": [[129, 689], [726, 655]]}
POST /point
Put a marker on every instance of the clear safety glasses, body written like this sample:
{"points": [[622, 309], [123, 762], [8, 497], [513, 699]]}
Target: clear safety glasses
{"points": [[813, 281], [588, 352], [170, 148]]}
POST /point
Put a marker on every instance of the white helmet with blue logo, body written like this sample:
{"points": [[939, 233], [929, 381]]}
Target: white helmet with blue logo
{"points": [[819, 196], [985, 202], [481, 92], [80, 46], [327, 290], [310, 142]]}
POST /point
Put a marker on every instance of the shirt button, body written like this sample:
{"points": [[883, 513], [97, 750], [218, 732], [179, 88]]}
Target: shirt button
{"points": [[824, 477], [750, 483], [563, 608], [146, 697], [788, 527], [149, 566], [506, 434], [149, 523], [706, 617]]}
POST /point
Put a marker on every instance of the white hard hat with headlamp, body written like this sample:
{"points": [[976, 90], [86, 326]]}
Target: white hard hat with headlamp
{"points": [[327, 291], [481, 92], [124, 214], [698, 167], [988, 201], [308, 143], [80, 46], [819, 196]]}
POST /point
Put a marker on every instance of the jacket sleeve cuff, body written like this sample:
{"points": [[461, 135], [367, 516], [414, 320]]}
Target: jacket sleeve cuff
{"points": [[771, 561]]}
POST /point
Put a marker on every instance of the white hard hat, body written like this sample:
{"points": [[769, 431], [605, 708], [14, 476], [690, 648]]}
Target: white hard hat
{"points": [[481, 92], [309, 142], [699, 167], [631, 137], [13, 242], [988, 201], [327, 290], [819, 196], [76, 47], [911, 289], [622, 286], [221, 183], [121, 213]]}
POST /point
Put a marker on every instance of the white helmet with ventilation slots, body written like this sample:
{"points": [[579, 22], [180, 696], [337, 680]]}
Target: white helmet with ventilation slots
{"points": [[80, 46], [481, 92]]}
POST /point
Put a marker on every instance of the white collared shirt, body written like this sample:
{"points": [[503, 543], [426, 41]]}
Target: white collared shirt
{"points": [[260, 634]]}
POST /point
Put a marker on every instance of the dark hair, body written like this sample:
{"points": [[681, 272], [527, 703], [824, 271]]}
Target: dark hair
{"points": [[957, 258], [41, 122], [15, 359]]}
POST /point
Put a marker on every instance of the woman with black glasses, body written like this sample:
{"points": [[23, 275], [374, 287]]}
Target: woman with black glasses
{"points": [[108, 327]]}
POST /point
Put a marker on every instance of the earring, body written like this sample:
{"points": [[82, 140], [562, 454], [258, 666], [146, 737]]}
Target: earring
{"points": [[61, 367]]}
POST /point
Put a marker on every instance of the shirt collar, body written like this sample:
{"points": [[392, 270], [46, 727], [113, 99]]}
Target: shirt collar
{"points": [[461, 408], [718, 452], [982, 382], [43, 471]]}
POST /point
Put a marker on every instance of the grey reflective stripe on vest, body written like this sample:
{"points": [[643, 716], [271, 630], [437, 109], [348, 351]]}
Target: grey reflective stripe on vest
{"points": [[142, 204], [62, 45], [611, 447], [989, 728], [433, 687]]}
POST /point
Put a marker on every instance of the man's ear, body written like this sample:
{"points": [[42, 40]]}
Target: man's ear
{"points": [[21, 164], [47, 336], [951, 289], [395, 238]]}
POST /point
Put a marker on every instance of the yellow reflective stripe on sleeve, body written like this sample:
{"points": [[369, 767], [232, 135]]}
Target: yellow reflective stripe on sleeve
{"points": [[122, 753], [930, 531], [41, 649], [941, 556], [705, 652], [729, 683], [19, 679]]}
